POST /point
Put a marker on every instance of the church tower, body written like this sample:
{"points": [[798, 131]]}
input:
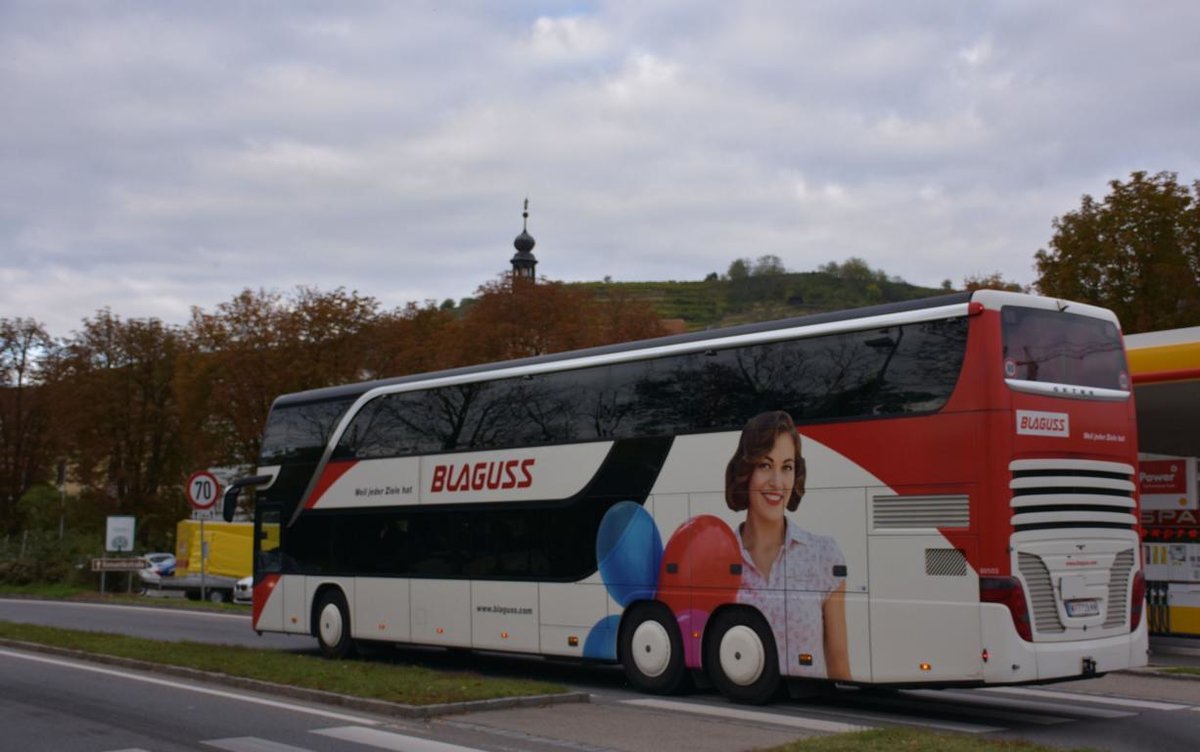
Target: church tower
{"points": [[523, 262]]}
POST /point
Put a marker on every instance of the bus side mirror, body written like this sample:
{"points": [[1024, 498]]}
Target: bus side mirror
{"points": [[229, 503]]}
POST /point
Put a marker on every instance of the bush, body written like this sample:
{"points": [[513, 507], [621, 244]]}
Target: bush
{"points": [[40, 557]]}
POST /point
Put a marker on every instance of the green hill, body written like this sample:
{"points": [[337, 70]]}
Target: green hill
{"points": [[762, 297]]}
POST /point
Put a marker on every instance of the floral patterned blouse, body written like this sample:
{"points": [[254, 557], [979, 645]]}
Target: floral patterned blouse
{"points": [[808, 568]]}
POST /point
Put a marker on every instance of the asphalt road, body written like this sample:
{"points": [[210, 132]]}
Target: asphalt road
{"points": [[40, 700], [154, 623], [70, 706]]}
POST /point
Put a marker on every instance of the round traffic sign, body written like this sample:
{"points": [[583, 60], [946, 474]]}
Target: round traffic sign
{"points": [[203, 490]]}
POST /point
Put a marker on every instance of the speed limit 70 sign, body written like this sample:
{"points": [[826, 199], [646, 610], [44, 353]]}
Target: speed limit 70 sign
{"points": [[203, 490]]}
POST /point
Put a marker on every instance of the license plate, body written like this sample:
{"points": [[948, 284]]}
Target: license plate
{"points": [[1083, 608]]}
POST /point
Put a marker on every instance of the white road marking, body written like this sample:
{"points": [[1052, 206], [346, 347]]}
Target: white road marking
{"points": [[1127, 702], [811, 724], [240, 697], [252, 744], [895, 719], [1029, 710], [389, 741]]}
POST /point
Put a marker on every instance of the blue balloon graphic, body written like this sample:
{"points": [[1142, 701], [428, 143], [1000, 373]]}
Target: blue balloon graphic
{"points": [[601, 642], [629, 551]]}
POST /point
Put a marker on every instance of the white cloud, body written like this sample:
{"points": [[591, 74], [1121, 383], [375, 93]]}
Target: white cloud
{"points": [[568, 38], [644, 76]]}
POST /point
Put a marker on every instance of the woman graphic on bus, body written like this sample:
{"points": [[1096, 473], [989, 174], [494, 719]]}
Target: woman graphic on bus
{"points": [[794, 577]]}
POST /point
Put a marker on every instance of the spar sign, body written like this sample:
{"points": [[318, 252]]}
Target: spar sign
{"points": [[203, 490]]}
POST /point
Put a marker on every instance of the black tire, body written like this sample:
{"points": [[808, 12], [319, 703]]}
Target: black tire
{"points": [[740, 656], [331, 624], [651, 650], [217, 596]]}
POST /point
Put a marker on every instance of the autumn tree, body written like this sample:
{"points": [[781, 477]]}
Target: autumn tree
{"points": [[116, 405], [514, 318], [257, 346], [1136, 252], [24, 418], [414, 339]]}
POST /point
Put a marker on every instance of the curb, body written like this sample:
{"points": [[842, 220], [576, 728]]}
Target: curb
{"points": [[368, 705], [1159, 672]]}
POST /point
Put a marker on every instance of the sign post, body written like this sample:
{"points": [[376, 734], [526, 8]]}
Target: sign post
{"points": [[203, 489]]}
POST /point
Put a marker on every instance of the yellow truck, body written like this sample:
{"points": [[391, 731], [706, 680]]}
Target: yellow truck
{"points": [[227, 550]]}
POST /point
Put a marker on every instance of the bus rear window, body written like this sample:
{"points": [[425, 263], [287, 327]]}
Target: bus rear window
{"points": [[1056, 347]]}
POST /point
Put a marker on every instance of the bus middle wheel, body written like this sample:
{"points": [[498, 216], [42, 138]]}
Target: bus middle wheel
{"points": [[651, 650], [741, 658]]}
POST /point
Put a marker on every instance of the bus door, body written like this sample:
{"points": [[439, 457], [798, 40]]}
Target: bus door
{"points": [[268, 567]]}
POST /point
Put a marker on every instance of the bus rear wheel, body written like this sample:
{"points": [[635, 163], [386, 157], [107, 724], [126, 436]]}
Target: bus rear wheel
{"points": [[333, 625], [651, 650], [741, 657]]}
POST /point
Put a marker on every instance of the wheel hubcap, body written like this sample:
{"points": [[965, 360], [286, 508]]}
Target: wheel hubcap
{"points": [[331, 625], [651, 648], [742, 655]]}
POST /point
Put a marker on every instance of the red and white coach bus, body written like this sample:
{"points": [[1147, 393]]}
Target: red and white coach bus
{"points": [[939, 492]]}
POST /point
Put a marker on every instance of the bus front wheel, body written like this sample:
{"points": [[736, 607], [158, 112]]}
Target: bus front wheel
{"points": [[651, 650], [333, 625], [741, 658]]}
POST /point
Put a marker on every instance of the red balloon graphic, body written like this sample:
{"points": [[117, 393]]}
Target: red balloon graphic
{"points": [[701, 566]]}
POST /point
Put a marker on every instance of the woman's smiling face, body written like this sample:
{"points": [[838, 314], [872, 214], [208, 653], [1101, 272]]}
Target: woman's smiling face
{"points": [[773, 478]]}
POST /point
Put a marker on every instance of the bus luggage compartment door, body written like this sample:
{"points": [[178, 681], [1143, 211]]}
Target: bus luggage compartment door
{"points": [[924, 596]]}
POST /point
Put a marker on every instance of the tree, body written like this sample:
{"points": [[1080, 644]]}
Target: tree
{"points": [[414, 339], [993, 281], [515, 318], [767, 265], [854, 270], [116, 403], [1137, 252], [24, 420], [739, 269], [260, 345]]}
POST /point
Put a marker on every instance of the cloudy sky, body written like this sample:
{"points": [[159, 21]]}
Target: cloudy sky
{"points": [[156, 156]]}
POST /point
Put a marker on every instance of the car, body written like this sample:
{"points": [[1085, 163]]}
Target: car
{"points": [[243, 590], [161, 564]]}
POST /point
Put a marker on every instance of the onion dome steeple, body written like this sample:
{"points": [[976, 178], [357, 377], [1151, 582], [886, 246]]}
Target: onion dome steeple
{"points": [[523, 262]]}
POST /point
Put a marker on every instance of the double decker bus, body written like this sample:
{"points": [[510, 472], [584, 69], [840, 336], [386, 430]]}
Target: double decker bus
{"points": [[932, 493]]}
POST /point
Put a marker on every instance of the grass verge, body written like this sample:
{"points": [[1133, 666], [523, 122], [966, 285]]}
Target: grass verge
{"points": [[374, 679], [1181, 670], [912, 740], [57, 591]]}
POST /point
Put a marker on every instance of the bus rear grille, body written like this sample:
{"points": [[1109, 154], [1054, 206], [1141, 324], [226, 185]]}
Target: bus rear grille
{"points": [[1041, 593], [1118, 588], [1059, 494]]}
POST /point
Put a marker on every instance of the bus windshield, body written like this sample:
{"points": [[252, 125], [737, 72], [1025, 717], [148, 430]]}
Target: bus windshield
{"points": [[298, 433], [1063, 348]]}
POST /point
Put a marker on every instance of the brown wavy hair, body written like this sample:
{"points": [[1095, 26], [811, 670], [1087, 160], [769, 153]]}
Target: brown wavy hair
{"points": [[758, 438]]}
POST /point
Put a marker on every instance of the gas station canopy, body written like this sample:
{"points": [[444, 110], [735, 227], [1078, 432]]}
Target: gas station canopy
{"points": [[1165, 367]]}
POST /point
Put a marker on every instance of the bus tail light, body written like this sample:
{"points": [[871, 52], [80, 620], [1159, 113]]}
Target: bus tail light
{"points": [[1137, 601], [1007, 591]]}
